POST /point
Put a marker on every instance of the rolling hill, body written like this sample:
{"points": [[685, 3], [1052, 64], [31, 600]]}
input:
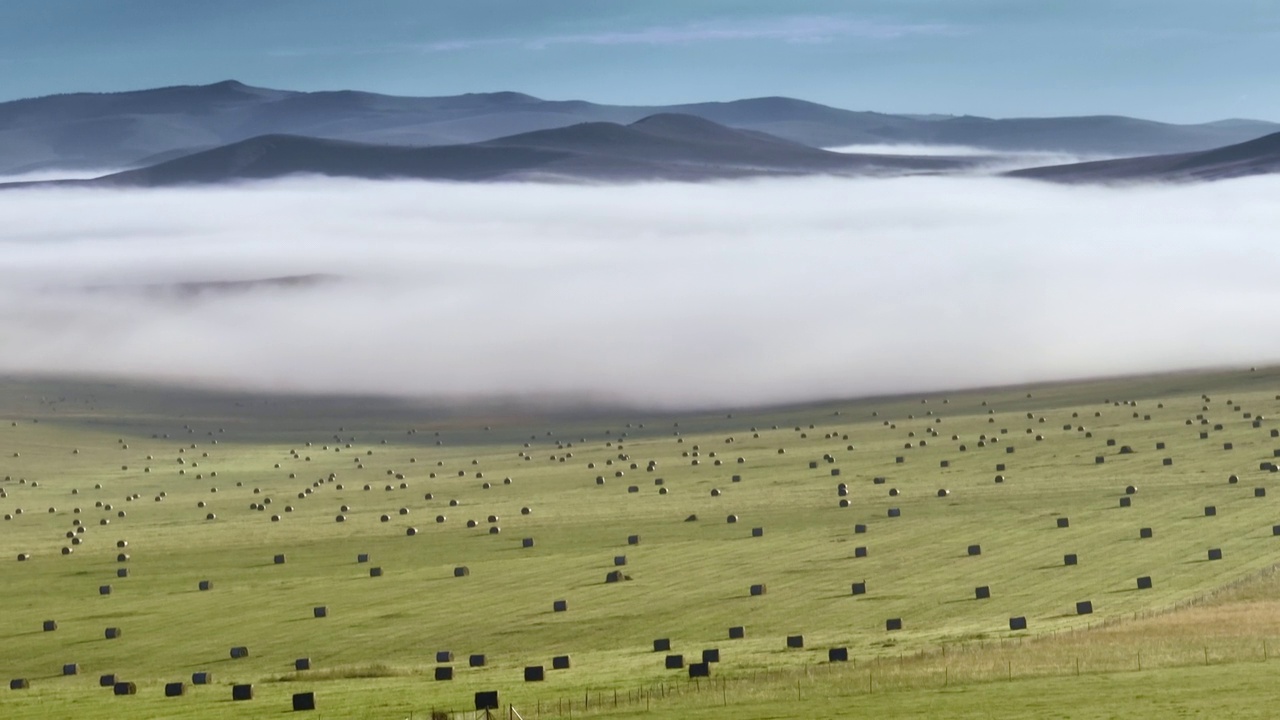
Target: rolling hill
{"points": [[132, 129], [666, 147], [1255, 157]]}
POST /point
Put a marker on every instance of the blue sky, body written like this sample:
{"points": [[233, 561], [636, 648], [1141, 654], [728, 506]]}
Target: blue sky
{"points": [[1177, 60]]}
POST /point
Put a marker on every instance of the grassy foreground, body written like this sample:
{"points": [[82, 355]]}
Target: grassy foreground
{"points": [[1198, 641]]}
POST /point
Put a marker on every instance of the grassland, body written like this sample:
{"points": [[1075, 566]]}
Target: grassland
{"points": [[1199, 640]]}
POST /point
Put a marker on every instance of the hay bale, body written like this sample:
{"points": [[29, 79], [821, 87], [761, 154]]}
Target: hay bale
{"points": [[1146, 532], [124, 688], [1260, 492], [974, 550], [699, 670], [104, 589], [534, 673], [122, 572], [1215, 554], [444, 656], [662, 645], [859, 529], [1084, 607], [674, 662], [982, 592], [1210, 511], [320, 611], [616, 576], [71, 669], [107, 680], [239, 652], [50, 625], [795, 642], [444, 673], [943, 492], [1126, 501], [560, 662], [241, 692], [1017, 623], [893, 624], [560, 606], [1144, 582], [839, 654], [278, 559], [112, 633], [304, 701], [1070, 559], [526, 543], [878, 480], [375, 572], [737, 632], [860, 588], [633, 539], [461, 571], [757, 532], [895, 512], [19, 684], [440, 518], [757, 590], [1063, 522], [476, 660], [302, 664], [201, 678]]}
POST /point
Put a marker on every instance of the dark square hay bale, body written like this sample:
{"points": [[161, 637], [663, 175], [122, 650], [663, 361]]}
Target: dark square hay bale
{"points": [[476, 660], [375, 572], [527, 542], [444, 656], [50, 625], [737, 632], [1215, 554], [1017, 623], [122, 572], [1145, 532], [1084, 607], [711, 655], [1070, 559], [241, 692], [560, 606], [362, 558], [279, 559], [633, 539], [662, 645], [795, 641], [175, 689], [444, 672], [112, 633], [838, 655], [1099, 460], [1000, 467], [304, 701], [895, 512], [320, 611], [534, 673], [893, 624], [860, 588], [1144, 582], [757, 532], [758, 589], [302, 664], [560, 662], [1260, 492], [71, 669], [206, 585], [1064, 522], [860, 551], [1210, 510], [104, 589], [974, 550], [982, 592], [674, 662], [107, 680], [699, 670], [487, 700]]}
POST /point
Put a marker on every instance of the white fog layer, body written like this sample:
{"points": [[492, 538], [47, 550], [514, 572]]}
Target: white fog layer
{"points": [[662, 295]]}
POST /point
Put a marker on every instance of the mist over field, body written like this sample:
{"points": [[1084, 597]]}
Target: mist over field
{"points": [[662, 295]]}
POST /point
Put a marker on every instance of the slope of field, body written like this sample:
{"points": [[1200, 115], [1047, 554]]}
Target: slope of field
{"points": [[105, 464]]}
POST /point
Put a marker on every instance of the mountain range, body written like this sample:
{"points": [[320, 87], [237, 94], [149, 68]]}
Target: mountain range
{"points": [[230, 131]]}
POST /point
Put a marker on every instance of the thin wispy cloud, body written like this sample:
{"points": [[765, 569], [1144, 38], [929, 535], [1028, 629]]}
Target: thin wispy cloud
{"points": [[800, 29]]}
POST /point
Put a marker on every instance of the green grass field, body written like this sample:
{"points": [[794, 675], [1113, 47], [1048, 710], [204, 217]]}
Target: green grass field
{"points": [[142, 460]]}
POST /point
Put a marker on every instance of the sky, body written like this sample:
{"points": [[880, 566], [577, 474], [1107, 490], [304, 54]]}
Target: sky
{"points": [[1171, 60]]}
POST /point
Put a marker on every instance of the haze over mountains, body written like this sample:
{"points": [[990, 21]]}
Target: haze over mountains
{"points": [[230, 131]]}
